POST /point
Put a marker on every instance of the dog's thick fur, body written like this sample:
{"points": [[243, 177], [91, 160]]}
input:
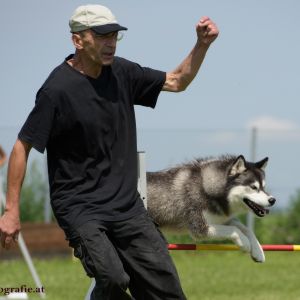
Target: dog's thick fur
{"points": [[206, 194]]}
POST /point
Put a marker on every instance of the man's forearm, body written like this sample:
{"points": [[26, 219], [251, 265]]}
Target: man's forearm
{"points": [[188, 69], [179, 79], [15, 176], [10, 221]]}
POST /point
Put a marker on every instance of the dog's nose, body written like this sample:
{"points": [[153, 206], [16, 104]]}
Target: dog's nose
{"points": [[272, 201]]}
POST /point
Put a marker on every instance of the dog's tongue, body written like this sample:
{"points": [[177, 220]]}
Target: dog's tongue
{"points": [[264, 211], [257, 209], [261, 212]]}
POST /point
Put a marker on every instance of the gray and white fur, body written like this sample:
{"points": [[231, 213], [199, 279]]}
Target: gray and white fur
{"points": [[205, 196]]}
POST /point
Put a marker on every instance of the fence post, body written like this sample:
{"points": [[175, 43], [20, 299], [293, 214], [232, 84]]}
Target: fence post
{"points": [[253, 149], [47, 205]]}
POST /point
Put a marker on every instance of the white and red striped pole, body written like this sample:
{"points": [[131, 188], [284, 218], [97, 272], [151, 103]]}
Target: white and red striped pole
{"points": [[226, 247]]}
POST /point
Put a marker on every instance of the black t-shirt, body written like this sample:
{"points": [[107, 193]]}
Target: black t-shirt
{"points": [[88, 128]]}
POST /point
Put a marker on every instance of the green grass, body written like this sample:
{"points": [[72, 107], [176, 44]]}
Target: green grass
{"points": [[204, 276], [234, 276], [62, 278]]}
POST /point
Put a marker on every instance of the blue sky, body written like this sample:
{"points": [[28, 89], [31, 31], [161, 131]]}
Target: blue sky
{"points": [[250, 72], [250, 76]]}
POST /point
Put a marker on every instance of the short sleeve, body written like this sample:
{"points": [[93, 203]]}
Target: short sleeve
{"points": [[149, 83], [37, 128]]}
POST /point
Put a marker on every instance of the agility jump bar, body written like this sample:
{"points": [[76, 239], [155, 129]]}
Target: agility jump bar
{"points": [[228, 247]]}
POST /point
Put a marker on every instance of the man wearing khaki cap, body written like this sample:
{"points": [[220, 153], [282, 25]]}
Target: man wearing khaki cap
{"points": [[84, 117]]}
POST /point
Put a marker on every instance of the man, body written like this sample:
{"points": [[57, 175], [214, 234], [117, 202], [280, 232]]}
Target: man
{"points": [[2, 157], [84, 117]]}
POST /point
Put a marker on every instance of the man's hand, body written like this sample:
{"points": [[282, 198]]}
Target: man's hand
{"points": [[10, 222], [9, 229], [207, 31], [180, 78]]}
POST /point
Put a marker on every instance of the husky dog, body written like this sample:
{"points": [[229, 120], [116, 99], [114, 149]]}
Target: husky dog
{"points": [[206, 194]]}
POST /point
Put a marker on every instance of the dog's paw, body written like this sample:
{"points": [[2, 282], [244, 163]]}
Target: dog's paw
{"points": [[241, 241], [257, 254]]}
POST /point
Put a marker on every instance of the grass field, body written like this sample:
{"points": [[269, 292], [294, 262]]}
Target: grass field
{"points": [[204, 276]]}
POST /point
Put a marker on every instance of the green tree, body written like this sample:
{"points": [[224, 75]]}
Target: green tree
{"points": [[281, 227], [293, 220], [272, 229], [33, 194]]}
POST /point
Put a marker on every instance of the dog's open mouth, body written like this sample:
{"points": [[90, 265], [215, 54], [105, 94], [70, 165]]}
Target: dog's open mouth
{"points": [[257, 209]]}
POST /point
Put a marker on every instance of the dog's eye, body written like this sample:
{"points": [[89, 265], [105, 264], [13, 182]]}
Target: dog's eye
{"points": [[254, 187]]}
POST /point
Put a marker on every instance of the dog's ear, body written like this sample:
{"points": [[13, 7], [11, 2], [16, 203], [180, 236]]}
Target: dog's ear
{"points": [[262, 164], [238, 167]]}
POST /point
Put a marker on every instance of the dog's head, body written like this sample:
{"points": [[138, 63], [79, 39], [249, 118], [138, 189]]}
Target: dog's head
{"points": [[247, 186]]}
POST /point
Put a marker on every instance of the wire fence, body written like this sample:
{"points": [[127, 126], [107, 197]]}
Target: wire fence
{"points": [[165, 148], [168, 147]]}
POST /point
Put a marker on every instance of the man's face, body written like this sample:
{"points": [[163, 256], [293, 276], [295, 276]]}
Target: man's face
{"points": [[100, 49]]}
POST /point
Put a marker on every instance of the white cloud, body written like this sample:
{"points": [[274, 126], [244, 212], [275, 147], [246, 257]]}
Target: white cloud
{"points": [[272, 123], [271, 128]]}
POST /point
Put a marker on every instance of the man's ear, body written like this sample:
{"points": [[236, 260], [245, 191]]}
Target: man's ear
{"points": [[77, 40], [238, 167]]}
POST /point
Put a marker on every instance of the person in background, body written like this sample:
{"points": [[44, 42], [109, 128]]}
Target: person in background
{"points": [[84, 118], [2, 157]]}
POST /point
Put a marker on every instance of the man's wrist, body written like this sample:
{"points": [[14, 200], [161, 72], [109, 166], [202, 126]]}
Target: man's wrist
{"points": [[202, 45], [12, 208]]}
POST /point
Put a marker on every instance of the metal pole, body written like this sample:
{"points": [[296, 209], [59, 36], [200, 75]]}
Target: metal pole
{"points": [[253, 148], [47, 206], [142, 178], [90, 290], [24, 250], [30, 265]]}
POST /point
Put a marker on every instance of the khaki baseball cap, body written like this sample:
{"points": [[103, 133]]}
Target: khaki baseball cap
{"points": [[95, 17]]}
